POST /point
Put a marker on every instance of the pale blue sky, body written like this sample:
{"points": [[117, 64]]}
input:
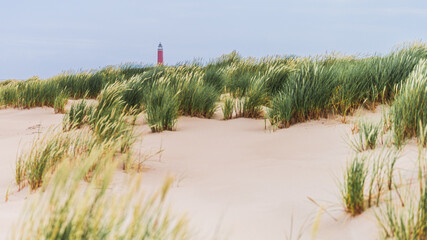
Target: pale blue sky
{"points": [[47, 37]]}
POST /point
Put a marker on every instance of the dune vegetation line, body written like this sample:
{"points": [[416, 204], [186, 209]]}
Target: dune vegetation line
{"points": [[96, 136]]}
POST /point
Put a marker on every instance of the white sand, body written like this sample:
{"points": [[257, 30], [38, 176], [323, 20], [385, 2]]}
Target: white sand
{"points": [[233, 179]]}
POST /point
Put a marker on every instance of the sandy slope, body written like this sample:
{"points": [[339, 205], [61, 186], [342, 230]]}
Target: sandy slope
{"points": [[248, 182], [17, 129], [234, 179]]}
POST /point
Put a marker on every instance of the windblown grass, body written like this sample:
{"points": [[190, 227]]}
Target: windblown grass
{"points": [[409, 110], [107, 125], [133, 93], [108, 118], [68, 209], [215, 78], [46, 152], [29, 94], [78, 115]]}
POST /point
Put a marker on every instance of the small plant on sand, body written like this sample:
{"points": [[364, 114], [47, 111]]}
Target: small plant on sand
{"points": [[367, 137], [368, 176], [354, 185], [405, 217], [381, 173], [228, 107], [20, 173]]}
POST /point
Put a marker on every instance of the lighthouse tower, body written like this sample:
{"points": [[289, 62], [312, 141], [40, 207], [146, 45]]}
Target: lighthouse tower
{"points": [[160, 54]]}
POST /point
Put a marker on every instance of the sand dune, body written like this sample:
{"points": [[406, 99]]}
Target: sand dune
{"points": [[17, 129], [233, 179]]}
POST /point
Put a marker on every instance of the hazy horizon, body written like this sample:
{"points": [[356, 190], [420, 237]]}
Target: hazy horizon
{"points": [[45, 38]]}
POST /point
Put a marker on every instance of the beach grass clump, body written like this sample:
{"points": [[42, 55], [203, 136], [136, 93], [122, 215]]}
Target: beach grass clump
{"points": [[229, 104], [368, 177], [281, 111], [238, 84], [277, 74], [9, 95], [162, 107], [133, 93], [197, 98], [353, 187], [405, 218], [395, 68], [310, 88], [53, 148], [409, 110], [256, 97], [46, 152], [78, 115], [368, 135], [35, 93], [68, 209], [60, 100], [354, 79], [89, 83], [214, 77], [405, 214], [116, 128], [380, 174], [108, 119]]}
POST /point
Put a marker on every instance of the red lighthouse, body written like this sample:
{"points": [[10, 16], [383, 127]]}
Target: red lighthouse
{"points": [[160, 54]]}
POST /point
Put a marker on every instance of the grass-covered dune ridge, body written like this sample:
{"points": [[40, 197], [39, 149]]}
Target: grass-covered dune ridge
{"points": [[293, 89]]}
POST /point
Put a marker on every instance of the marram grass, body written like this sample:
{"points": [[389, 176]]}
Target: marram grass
{"points": [[46, 152], [294, 89], [368, 176], [78, 115], [409, 110], [367, 136], [228, 107], [68, 209], [162, 108], [353, 187]]}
